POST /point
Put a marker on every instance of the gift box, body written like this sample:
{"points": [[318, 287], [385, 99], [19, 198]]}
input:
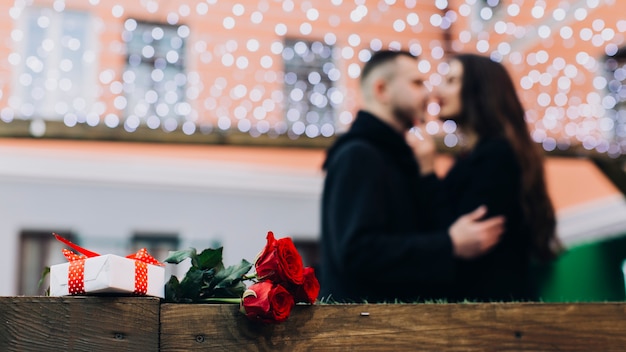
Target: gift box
{"points": [[107, 274], [92, 273]]}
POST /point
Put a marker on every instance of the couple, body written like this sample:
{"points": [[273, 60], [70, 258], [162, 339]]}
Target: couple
{"points": [[393, 231]]}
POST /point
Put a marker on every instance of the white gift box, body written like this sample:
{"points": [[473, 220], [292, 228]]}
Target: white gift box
{"points": [[108, 274]]}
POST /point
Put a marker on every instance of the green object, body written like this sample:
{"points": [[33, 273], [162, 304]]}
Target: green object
{"points": [[590, 272], [207, 280]]}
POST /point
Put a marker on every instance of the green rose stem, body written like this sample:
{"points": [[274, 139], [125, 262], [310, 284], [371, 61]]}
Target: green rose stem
{"points": [[250, 277], [221, 300]]}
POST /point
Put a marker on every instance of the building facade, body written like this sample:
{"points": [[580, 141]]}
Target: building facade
{"points": [[281, 74]]}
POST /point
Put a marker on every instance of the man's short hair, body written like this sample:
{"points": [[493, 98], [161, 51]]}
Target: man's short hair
{"points": [[380, 58]]}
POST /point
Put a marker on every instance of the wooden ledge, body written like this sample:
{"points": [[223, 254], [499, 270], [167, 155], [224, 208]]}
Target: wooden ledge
{"points": [[146, 324], [402, 327], [79, 324]]}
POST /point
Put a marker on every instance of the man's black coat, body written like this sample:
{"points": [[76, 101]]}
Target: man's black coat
{"points": [[379, 238]]}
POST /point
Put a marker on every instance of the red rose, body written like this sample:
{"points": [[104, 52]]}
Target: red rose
{"points": [[267, 302], [280, 262], [310, 288]]}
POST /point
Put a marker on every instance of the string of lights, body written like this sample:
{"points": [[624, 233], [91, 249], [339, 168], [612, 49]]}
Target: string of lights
{"points": [[271, 67]]}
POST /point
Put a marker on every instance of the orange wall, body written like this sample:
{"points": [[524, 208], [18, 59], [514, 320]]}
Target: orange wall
{"points": [[209, 41]]}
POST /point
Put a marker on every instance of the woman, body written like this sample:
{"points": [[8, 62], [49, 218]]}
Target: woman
{"points": [[498, 166]]}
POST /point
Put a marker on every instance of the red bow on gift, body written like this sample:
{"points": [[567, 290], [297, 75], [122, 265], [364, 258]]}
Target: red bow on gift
{"points": [[76, 272]]}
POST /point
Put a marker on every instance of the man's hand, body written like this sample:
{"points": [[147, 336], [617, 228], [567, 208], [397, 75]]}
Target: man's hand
{"points": [[472, 237]]}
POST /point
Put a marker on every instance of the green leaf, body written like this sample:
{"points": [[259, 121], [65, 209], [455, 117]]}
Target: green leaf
{"points": [[172, 290], [44, 273], [191, 284], [231, 275], [234, 291], [178, 256], [209, 258], [206, 278], [228, 282]]}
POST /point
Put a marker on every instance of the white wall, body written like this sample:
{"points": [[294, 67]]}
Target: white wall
{"points": [[104, 199]]}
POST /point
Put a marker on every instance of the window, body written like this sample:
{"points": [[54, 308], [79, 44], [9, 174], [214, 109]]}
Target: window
{"points": [[154, 79], [158, 244], [38, 250], [310, 95], [56, 64], [615, 101]]}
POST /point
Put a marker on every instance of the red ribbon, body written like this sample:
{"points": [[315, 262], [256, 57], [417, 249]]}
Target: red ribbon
{"points": [[142, 259], [76, 272], [76, 247]]}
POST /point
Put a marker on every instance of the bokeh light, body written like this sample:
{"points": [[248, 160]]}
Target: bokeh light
{"points": [[291, 67]]}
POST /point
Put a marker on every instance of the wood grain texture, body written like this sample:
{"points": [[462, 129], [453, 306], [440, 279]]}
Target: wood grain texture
{"points": [[418, 327], [132, 324], [79, 323]]}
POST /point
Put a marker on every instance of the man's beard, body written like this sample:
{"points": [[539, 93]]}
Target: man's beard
{"points": [[405, 116]]}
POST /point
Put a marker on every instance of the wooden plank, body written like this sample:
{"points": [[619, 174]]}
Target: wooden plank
{"points": [[418, 327], [81, 323]]}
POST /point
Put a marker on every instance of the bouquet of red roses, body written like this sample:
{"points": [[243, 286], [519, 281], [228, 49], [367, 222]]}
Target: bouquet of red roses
{"points": [[281, 281]]}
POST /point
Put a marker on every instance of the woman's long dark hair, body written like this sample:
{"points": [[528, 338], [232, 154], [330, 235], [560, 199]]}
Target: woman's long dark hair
{"points": [[491, 108]]}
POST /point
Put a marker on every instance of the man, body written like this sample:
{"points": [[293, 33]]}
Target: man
{"points": [[379, 234]]}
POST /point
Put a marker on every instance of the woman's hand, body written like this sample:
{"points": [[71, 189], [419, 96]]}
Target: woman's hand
{"points": [[424, 149]]}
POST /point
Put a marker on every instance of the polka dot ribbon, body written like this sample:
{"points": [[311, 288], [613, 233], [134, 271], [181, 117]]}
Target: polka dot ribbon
{"points": [[142, 259], [76, 272]]}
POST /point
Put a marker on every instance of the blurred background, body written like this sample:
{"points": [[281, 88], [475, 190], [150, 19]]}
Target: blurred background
{"points": [[203, 123]]}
